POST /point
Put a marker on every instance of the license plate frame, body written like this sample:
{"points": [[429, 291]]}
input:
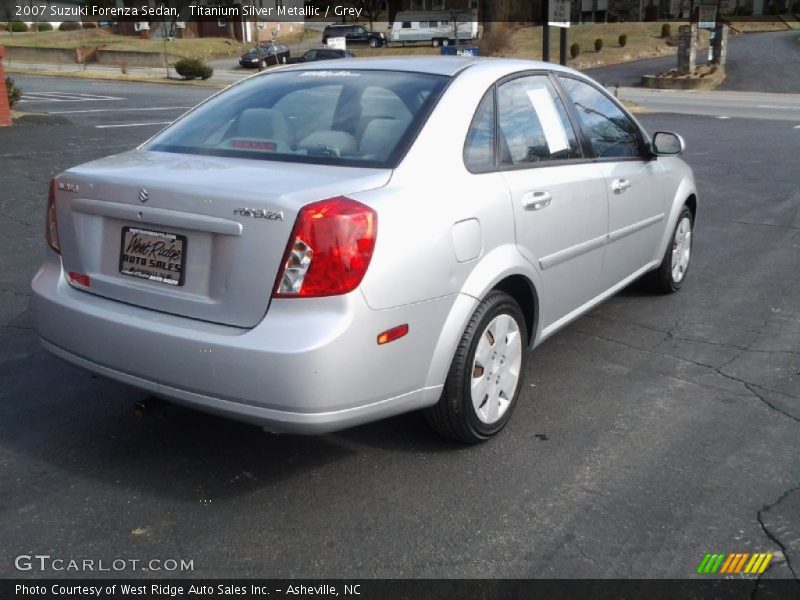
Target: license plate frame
{"points": [[148, 249]]}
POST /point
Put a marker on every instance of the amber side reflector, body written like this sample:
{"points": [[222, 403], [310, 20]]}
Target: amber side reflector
{"points": [[392, 334], [79, 279]]}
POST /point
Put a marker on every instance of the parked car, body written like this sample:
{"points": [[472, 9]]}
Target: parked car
{"points": [[265, 55], [333, 243], [321, 54], [354, 34]]}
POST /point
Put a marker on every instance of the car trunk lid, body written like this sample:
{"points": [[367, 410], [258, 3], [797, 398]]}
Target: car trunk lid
{"points": [[209, 233]]}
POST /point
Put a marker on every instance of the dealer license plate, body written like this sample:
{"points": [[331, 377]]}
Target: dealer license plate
{"points": [[153, 255]]}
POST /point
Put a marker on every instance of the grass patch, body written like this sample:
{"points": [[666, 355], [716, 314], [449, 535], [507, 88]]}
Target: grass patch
{"points": [[643, 41], [208, 48]]}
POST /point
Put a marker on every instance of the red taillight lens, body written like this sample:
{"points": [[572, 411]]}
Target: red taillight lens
{"points": [[329, 250], [79, 279], [51, 225]]}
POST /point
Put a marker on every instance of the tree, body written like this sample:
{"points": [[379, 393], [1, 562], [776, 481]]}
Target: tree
{"points": [[372, 9]]}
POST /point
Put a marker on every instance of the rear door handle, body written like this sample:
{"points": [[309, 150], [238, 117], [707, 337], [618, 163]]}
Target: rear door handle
{"points": [[536, 200], [620, 185]]}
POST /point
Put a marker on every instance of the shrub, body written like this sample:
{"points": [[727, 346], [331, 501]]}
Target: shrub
{"points": [[69, 26], [193, 68], [14, 93], [89, 25], [666, 30], [18, 27], [44, 26], [575, 50], [623, 40], [3, 27], [598, 45]]}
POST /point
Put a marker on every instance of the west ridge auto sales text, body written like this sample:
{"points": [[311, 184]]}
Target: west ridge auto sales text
{"points": [[157, 589]]}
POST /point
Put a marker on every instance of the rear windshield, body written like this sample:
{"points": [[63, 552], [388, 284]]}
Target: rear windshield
{"points": [[350, 118]]}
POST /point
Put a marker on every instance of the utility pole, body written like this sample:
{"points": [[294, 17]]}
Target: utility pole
{"points": [[545, 31]]}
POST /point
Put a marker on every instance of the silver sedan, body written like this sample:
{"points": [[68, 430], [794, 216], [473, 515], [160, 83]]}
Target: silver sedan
{"points": [[330, 244]]}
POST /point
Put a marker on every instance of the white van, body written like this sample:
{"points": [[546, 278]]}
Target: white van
{"points": [[434, 27]]}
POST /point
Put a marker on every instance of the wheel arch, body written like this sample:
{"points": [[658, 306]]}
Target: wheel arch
{"points": [[522, 290], [518, 279], [685, 195], [691, 202]]}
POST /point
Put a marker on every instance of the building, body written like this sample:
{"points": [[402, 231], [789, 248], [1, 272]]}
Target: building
{"points": [[240, 28]]}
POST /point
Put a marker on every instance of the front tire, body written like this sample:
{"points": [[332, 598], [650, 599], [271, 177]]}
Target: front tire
{"points": [[671, 273], [374, 43], [485, 377]]}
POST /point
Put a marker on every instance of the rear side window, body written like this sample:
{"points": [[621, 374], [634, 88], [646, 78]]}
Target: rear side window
{"points": [[352, 118], [610, 131], [479, 147], [533, 123]]}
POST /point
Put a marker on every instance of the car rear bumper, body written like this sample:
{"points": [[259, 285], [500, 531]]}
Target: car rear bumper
{"points": [[311, 365]]}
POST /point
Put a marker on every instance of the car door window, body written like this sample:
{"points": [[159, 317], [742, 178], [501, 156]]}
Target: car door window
{"points": [[533, 123], [311, 55], [479, 147], [610, 131]]}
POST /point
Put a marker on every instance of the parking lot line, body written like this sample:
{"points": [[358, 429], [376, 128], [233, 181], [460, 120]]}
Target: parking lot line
{"points": [[131, 124], [102, 110], [65, 97]]}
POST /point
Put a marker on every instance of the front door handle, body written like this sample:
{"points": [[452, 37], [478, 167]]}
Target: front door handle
{"points": [[536, 200], [620, 185]]}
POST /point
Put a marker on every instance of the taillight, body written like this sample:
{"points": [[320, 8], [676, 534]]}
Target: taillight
{"points": [[51, 226], [329, 249]]}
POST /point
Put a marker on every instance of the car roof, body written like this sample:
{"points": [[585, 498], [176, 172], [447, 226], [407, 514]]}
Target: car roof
{"points": [[435, 65]]}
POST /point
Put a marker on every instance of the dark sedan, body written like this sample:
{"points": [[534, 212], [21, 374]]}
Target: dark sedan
{"points": [[321, 54], [264, 55]]}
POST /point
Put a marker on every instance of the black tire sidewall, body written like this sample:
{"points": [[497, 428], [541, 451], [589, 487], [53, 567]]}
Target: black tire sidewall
{"points": [[460, 378], [667, 264]]}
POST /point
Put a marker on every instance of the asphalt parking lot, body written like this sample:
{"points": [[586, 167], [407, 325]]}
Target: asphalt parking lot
{"points": [[651, 431]]}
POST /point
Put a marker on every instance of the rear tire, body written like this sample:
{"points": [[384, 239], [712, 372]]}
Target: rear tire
{"points": [[435, 43], [485, 377], [671, 273]]}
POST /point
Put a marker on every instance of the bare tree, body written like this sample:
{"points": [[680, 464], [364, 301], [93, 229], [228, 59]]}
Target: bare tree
{"points": [[371, 8]]}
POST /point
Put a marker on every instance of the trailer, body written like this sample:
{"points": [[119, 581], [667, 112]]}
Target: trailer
{"points": [[435, 27]]}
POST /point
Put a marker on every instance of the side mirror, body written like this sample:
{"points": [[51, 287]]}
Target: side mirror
{"points": [[667, 143]]}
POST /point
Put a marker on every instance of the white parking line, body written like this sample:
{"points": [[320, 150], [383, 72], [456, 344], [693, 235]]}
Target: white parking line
{"points": [[65, 97], [102, 110], [131, 124]]}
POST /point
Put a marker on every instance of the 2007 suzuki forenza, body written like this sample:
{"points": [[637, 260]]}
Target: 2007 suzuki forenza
{"points": [[326, 245]]}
